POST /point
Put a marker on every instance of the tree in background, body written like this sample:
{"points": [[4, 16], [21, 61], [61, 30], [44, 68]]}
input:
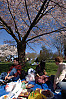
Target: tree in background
{"points": [[58, 42], [31, 56], [9, 42], [54, 55], [7, 52], [31, 21], [45, 54]]}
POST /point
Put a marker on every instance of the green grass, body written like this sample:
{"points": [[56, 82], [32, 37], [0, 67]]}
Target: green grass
{"points": [[51, 67], [4, 67]]}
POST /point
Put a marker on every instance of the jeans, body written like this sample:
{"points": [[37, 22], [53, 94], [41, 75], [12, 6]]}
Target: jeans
{"points": [[13, 71], [15, 78], [62, 85]]}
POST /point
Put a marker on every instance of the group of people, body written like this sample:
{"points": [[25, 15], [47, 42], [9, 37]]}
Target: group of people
{"points": [[59, 79]]}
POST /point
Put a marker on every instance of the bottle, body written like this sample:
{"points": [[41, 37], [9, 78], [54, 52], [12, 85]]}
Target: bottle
{"points": [[22, 85]]}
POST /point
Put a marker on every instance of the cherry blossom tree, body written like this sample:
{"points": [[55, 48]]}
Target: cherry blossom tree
{"points": [[6, 51], [58, 42], [31, 21]]}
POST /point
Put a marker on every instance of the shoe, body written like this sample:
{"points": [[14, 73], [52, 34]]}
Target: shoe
{"points": [[57, 91]]}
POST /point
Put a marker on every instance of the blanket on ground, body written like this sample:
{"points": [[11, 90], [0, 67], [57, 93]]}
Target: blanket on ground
{"points": [[42, 86]]}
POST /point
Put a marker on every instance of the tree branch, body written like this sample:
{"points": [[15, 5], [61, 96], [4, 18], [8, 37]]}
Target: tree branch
{"points": [[27, 12], [55, 20], [9, 29], [44, 14], [47, 33], [58, 4], [46, 6], [34, 21], [16, 29], [31, 47]]}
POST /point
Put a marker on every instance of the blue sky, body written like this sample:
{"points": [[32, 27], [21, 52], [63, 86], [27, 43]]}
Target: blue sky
{"points": [[5, 36]]}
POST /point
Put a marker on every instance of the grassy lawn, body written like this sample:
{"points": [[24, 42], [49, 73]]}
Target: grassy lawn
{"points": [[4, 67], [51, 67]]}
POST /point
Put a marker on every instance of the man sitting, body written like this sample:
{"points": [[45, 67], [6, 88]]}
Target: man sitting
{"points": [[14, 71]]}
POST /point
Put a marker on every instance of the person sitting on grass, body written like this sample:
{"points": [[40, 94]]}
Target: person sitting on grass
{"points": [[41, 73], [14, 71], [42, 77], [60, 77]]}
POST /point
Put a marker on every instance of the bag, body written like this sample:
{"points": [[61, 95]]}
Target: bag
{"points": [[9, 86], [36, 95], [31, 70], [3, 75], [30, 77]]}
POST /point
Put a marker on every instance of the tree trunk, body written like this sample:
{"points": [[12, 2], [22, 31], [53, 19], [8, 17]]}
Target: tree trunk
{"points": [[21, 53]]}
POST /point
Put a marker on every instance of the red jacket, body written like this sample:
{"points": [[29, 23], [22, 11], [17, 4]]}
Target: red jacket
{"points": [[18, 67]]}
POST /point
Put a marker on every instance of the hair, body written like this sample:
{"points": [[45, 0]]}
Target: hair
{"points": [[59, 59], [16, 59], [42, 64]]}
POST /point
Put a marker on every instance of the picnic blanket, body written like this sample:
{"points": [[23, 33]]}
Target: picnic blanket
{"points": [[42, 86]]}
